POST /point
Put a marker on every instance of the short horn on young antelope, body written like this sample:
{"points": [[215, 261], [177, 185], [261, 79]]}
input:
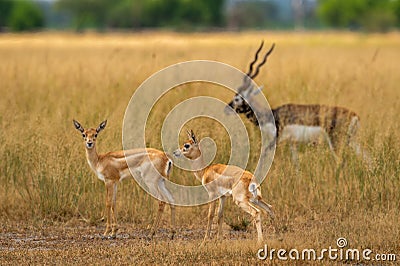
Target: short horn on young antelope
{"points": [[233, 180], [112, 167]]}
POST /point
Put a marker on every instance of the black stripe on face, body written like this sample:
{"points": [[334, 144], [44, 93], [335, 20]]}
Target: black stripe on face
{"points": [[245, 108]]}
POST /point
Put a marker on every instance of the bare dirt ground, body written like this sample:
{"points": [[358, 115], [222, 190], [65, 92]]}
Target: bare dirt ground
{"points": [[79, 243], [76, 242]]}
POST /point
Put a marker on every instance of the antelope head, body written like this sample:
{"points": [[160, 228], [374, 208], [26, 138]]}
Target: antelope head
{"points": [[246, 90], [190, 149], [89, 135]]}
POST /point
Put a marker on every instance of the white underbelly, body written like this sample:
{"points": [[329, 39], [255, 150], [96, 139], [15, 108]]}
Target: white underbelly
{"points": [[301, 133]]}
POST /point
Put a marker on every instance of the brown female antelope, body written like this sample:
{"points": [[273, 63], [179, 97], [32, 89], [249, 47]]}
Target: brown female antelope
{"points": [[111, 167], [227, 180], [297, 123]]}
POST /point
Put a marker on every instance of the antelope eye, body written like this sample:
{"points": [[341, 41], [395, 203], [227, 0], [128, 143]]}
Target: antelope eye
{"points": [[84, 135], [186, 146], [95, 135]]}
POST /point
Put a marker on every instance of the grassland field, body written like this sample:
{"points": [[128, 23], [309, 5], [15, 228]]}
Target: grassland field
{"points": [[51, 202]]}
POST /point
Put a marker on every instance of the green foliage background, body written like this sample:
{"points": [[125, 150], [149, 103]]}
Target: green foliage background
{"points": [[144, 13], [20, 15], [365, 14]]}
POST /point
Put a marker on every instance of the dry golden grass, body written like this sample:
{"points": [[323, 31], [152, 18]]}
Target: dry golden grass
{"points": [[48, 79]]}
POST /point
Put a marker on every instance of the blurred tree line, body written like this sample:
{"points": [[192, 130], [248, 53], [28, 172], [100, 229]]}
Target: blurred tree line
{"points": [[144, 13], [370, 15], [20, 15]]}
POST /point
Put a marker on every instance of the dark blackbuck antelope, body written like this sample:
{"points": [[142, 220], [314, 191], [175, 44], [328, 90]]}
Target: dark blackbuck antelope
{"points": [[297, 123]]}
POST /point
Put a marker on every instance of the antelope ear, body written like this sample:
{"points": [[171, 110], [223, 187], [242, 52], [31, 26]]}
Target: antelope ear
{"points": [[193, 136], [257, 91], [246, 80], [101, 126], [189, 134], [78, 126], [247, 92]]}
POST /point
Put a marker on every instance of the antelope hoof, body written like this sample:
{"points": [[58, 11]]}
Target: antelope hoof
{"points": [[113, 234], [148, 237], [107, 231], [172, 234]]}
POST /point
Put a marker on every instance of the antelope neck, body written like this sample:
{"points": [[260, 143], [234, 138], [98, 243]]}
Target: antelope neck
{"points": [[198, 163], [92, 157]]}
